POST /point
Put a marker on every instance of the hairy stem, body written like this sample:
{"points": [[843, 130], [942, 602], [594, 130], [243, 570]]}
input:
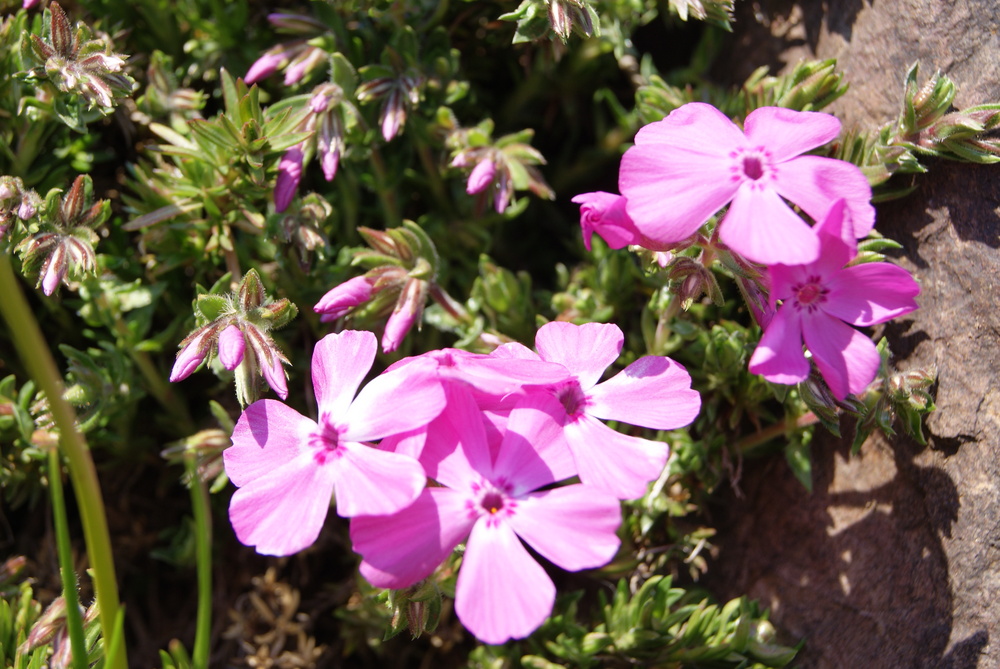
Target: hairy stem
{"points": [[37, 358]]}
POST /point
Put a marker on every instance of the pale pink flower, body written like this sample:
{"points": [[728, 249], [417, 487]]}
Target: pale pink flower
{"points": [[653, 392], [685, 168], [287, 466], [604, 213], [819, 300], [502, 592]]}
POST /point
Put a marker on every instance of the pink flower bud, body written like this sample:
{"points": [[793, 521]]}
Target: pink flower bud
{"points": [[264, 66], [55, 269], [481, 176], [604, 213], [289, 175], [409, 305], [231, 347], [307, 60], [30, 4], [275, 376], [344, 297], [189, 357]]}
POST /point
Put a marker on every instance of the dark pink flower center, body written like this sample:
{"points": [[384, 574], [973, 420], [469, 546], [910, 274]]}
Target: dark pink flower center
{"points": [[492, 501], [811, 294], [325, 442], [572, 397], [752, 167]]}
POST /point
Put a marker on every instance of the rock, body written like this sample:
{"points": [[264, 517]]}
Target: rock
{"points": [[894, 560]]}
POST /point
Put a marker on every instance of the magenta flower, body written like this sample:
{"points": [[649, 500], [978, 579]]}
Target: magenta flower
{"points": [[604, 213], [502, 592], [287, 466], [686, 167], [231, 347], [819, 300], [653, 392], [481, 176], [266, 65]]}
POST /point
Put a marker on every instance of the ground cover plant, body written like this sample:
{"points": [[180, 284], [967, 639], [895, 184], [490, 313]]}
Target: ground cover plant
{"points": [[374, 333]]}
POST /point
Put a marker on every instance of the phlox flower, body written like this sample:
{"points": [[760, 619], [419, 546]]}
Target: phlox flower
{"points": [[493, 502], [604, 213], [686, 167], [654, 392], [287, 466], [820, 299]]}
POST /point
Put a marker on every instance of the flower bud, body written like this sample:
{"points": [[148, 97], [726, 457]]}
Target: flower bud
{"points": [[193, 351], [274, 374], [341, 299], [231, 347], [481, 176], [408, 307], [265, 66], [604, 213], [289, 175]]}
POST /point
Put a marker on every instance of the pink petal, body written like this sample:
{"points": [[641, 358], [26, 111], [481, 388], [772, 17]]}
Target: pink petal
{"points": [[501, 593], [231, 347], [847, 359], [604, 213], [283, 512], [653, 392], [871, 293], [836, 240], [456, 452], [585, 350], [779, 357], [267, 435], [760, 227], [340, 363], [533, 452], [402, 548], [372, 482], [814, 183], [395, 402], [613, 462], [786, 133], [574, 526], [695, 125], [264, 67]]}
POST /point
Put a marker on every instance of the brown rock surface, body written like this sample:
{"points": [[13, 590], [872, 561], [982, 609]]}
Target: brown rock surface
{"points": [[894, 560]]}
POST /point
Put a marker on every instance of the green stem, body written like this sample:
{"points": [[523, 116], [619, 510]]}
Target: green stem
{"points": [[203, 553], [778, 429], [31, 347], [74, 621]]}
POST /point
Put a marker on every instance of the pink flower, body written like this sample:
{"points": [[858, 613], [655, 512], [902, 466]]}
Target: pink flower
{"points": [[819, 300], [481, 176], [289, 175], [191, 355], [344, 297], [686, 167], [502, 592], [287, 466], [231, 347], [604, 213], [653, 392]]}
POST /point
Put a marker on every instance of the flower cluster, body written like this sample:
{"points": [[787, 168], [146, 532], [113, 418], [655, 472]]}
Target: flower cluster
{"points": [[502, 437], [685, 168]]}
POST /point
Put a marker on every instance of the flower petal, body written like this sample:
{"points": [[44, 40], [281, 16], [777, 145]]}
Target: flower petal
{"points": [[815, 183], [779, 357], [340, 363], [396, 402], [501, 593], [585, 350], [847, 359], [267, 435], [456, 452], [871, 293], [283, 512], [786, 133], [373, 482], [616, 463], [762, 228], [533, 452], [653, 391], [402, 548], [574, 526]]}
